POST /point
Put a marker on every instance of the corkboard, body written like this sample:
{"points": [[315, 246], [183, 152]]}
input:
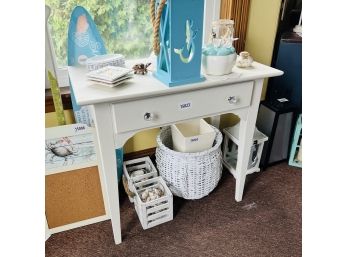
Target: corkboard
{"points": [[73, 196]]}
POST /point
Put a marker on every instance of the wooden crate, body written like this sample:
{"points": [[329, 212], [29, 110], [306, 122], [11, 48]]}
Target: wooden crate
{"points": [[137, 164], [157, 211]]}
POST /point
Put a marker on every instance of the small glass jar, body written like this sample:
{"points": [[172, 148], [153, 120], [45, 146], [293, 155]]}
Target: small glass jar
{"points": [[222, 33]]}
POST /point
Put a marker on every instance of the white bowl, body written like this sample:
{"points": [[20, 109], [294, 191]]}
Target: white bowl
{"points": [[218, 65]]}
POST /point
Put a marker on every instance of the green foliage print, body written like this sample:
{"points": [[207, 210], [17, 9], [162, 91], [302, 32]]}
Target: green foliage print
{"points": [[124, 25]]}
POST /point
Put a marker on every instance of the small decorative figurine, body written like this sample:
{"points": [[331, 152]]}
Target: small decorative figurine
{"points": [[244, 60], [141, 68]]}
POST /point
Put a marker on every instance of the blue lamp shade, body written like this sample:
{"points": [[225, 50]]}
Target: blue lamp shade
{"points": [[181, 29]]}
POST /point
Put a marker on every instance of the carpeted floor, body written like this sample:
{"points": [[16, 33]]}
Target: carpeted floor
{"points": [[266, 223]]}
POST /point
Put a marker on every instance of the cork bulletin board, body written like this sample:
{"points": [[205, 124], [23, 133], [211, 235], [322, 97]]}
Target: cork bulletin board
{"points": [[73, 196]]}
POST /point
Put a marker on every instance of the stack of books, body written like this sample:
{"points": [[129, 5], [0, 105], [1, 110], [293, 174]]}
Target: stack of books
{"points": [[110, 76]]}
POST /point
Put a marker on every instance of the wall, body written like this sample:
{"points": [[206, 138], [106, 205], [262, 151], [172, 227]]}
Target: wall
{"points": [[261, 32], [51, 120]]}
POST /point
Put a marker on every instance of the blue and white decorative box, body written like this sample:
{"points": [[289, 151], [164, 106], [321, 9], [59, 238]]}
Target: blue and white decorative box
{"points": [[181, 29]]}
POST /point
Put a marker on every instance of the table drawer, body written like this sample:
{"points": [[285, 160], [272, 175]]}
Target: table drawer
{"points": [[162, 110]]}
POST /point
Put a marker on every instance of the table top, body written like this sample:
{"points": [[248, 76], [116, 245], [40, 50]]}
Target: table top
{"points": [[144, 86]]}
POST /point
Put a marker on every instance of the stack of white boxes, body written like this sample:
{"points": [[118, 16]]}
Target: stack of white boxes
{"points": [[142, 175]]}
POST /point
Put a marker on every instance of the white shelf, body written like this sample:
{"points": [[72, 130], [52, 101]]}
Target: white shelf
{"points": [[232, 169], [234, 134]]}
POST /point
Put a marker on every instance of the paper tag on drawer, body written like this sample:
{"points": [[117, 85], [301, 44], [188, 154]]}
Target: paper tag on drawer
{"points": [[185, 105]]}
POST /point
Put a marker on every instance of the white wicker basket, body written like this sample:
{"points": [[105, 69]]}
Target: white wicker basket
{"points": [[189, 175]]}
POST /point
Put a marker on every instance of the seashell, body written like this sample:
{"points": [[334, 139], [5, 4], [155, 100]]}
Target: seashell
{"points": [[156, 191], [161, 193], [137, 173], [144, 194], [244, 60]]}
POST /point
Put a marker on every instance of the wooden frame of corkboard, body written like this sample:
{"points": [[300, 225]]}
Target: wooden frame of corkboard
{"points": [[75, 193]]}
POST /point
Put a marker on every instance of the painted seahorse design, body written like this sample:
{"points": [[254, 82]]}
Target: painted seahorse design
{"points": [[190, 45]]}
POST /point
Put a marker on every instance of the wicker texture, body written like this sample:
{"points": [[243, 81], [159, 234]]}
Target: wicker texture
{"points": [[189, 175]]}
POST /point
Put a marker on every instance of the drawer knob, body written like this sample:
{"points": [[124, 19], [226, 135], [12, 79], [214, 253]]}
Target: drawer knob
{"points": [[148, 116], [232, 99]]}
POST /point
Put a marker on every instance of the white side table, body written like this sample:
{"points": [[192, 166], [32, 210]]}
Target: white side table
{"points": [[146, 103]]}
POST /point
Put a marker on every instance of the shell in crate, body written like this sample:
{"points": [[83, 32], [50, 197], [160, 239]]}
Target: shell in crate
{"points": [[153, 208], [189, 175], [136, 171]]}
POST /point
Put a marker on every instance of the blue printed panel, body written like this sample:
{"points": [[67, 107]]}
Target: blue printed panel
{"points": [[84, 40]]}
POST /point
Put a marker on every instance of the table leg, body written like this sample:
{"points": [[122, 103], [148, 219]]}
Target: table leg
{"points": [[107, 163], [246, 132]]}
